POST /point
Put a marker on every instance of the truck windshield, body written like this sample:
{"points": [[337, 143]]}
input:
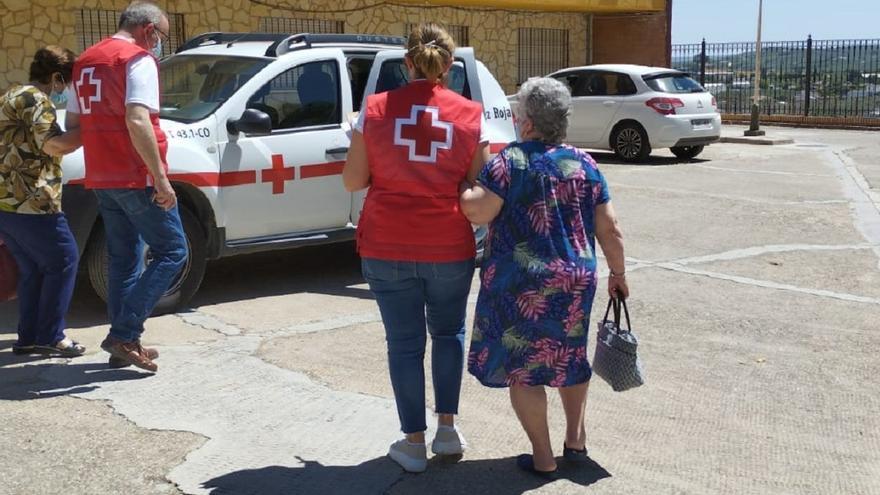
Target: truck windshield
{"points": [[194, 86]]}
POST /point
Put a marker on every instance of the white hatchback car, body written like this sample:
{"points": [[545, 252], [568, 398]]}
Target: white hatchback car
{"points": [[632, 109]]}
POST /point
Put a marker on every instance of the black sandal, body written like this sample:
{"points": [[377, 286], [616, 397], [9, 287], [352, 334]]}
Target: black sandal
{"points": [[527, 463], [64, 348], [22, 350], [574, 455]]}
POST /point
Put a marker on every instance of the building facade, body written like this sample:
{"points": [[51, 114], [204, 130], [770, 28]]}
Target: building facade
{"points": [[516, 39]]}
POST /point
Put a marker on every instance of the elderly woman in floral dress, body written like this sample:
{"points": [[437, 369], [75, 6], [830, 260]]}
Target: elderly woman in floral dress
{"points": [[545, 203]]}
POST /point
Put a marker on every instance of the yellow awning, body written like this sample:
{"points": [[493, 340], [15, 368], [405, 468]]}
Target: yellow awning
{"points": [[597, 6]]}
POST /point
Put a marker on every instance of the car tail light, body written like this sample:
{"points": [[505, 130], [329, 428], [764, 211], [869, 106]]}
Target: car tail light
{"points": [[714, 102], [665, 106]]}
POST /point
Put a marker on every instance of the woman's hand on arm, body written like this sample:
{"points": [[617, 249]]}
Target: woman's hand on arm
{"points": [[479, 204], [356, 173], [611, 239], [63, 144]]}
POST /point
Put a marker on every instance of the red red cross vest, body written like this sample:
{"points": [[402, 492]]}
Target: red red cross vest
{"points": [[99, 79], [420, 141]]}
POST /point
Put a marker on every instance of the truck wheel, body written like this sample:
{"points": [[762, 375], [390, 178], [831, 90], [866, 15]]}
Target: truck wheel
{"points": [[184, 286]]}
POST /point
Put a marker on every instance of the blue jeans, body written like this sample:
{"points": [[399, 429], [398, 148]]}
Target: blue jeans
{"points": [[46, 255], [131, 218], [412, 295]]}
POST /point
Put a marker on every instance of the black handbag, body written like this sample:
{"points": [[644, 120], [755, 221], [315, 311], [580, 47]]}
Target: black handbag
{"points": [[616, 360]]}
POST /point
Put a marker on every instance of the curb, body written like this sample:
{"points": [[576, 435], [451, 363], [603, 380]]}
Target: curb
{"points": [[765, 141]]}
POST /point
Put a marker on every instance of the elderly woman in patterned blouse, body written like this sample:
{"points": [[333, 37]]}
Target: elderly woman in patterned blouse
{"points": [[31, 222], [545, 203]]}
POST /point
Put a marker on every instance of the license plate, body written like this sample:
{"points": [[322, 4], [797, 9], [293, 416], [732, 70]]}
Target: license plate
{"points": [[701, 122]]}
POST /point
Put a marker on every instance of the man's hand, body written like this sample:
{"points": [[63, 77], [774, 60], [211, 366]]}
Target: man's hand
{"points": [[165, 196]]}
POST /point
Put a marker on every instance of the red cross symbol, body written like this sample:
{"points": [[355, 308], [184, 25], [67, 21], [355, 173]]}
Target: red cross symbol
{"points": [[423, 133], [88, 91], [278, 174]]}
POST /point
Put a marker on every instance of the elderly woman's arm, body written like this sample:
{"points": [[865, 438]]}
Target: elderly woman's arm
{"points": [[611, 239], [356, 173], [479, 204]]}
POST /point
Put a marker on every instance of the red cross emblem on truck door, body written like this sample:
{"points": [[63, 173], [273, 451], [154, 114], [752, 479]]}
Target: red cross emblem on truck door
{"points": [[88, 92], [278, 174], [423, 133]]}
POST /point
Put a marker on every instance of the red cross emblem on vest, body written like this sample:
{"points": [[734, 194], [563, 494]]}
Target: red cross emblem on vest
{"points": [[88, 91], [423, 133], [278, 174]]}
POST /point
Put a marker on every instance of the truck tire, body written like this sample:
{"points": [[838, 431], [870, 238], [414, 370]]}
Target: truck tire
{"points": [[182, 289]]}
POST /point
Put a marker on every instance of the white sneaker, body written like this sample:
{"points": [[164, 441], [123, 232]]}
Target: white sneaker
{"points": [[412, 457], [448, 441]]}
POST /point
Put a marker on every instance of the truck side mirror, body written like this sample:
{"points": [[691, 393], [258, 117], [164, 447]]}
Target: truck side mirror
{"points": [[252, 121]]}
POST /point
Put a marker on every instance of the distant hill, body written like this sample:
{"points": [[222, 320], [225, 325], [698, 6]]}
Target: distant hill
{"points": [[861, 57]]}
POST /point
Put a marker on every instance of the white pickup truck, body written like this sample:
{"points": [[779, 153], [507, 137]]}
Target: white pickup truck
{"points": [[258, 128]]}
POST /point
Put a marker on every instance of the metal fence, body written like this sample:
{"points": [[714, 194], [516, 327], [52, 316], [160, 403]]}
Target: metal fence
{"points": [[809, 78]]}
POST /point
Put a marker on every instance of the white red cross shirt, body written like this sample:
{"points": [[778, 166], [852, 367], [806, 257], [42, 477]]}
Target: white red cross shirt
{"points": [[141, 84]]}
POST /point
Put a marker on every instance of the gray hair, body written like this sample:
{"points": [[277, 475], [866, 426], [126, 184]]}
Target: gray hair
{"points": [[547, 103], [140, 13]]}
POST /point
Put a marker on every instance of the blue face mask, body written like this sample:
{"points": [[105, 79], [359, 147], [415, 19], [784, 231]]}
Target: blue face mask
{"points": [[59, 99], [157, 50]]}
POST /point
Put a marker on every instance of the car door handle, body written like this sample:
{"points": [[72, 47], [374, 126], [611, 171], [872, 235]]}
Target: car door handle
{"points": [[609, 103], [337, 151]]}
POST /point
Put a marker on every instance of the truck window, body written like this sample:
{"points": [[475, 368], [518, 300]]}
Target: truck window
{"points": [[194, 86], [305, 96], [358, 73], [393, 75]]}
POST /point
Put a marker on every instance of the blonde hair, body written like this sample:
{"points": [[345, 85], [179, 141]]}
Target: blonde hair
{"points": [[430, 49]]}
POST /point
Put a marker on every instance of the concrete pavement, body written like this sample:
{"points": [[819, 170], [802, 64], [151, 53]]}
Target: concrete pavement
{"points": [[755, 274]]}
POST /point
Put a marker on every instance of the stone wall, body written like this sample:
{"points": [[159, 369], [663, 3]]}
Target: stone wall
{"points": [[29, 24], [26, 25]]}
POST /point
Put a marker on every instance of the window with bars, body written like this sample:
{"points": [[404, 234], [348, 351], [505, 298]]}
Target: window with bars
{"points": [[541, 51], [287, 25], [459, 33], [93, 26]]}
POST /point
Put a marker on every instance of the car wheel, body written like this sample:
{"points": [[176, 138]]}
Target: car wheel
{"points": [[182, 288], [687, 152], [630, 142]]}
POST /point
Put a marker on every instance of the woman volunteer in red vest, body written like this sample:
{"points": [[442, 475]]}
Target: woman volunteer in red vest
{"points": [[413, 147]]}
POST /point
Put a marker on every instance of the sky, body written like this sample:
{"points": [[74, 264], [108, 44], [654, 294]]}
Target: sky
{"points": [[737, 20]]}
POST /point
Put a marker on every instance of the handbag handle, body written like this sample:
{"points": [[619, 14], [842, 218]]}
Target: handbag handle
{"points": [[617, 303]]}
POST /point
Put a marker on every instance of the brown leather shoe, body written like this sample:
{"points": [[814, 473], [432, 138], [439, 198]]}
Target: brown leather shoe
{"points": [[129, 352], [116, 362]]}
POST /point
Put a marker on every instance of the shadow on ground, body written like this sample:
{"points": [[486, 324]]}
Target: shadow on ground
{"points": [[45, 380], [330, 270], [608, 158], [382, 475]]}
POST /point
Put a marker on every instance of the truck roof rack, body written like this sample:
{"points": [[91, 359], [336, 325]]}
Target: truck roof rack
{"points": [[306, 40], [229, 38], [283, 43]]}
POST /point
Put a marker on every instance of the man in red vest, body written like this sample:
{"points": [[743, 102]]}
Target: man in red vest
{"points": [[116, 83]]}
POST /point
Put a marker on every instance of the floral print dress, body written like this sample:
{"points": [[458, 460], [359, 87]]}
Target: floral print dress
{"points": [[539, 272]]}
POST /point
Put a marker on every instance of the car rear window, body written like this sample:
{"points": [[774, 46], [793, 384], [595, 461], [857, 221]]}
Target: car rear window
{"points": [[674, 83]]}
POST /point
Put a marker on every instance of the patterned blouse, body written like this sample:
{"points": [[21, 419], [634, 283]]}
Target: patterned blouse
{"points": [[538, 278], [30, 180]]}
